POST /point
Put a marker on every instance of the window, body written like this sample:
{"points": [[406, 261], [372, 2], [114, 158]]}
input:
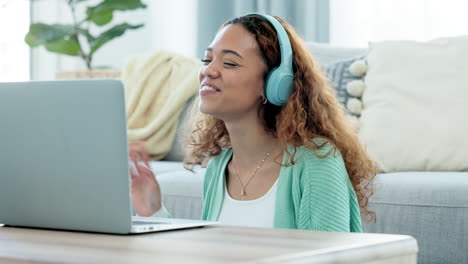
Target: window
{"points": [[356, 22], [14, 52]]}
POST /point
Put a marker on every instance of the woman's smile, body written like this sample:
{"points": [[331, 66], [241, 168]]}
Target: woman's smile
{"points": [[207, 90]]}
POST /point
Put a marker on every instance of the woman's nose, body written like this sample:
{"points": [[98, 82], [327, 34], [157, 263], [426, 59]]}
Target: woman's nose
{"points": [[210, 70]]}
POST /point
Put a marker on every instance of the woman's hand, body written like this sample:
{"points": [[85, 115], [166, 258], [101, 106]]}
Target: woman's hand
{"points": [[138, 152], [146, 194]]}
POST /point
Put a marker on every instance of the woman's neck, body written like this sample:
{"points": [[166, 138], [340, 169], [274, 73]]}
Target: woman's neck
{"points": [[250, 142]]}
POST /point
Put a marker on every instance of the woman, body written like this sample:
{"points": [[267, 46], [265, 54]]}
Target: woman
{"points": [[294, 164]]}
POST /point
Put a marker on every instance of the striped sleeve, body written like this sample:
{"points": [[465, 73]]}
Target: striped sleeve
{"points": [[325, 203]]}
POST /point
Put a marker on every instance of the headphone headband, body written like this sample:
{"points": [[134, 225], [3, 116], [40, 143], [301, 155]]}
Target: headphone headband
{"points": [[283, 38], [279, 84]]}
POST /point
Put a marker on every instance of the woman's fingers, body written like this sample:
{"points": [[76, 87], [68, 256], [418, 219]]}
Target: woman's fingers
{"points": [[133, 170], [133, 174], [138, 152], [142, 152], [144, 170], [140, 170], [134, 156], [146, 157]]}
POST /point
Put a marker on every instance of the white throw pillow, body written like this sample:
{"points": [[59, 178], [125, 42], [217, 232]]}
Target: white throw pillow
{"points": [[415, 115]]}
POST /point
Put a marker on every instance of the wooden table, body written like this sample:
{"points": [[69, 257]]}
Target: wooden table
{"points": [[217, 244]]}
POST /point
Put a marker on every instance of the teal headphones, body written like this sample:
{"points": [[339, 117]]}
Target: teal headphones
{"points": [[279, 84]]}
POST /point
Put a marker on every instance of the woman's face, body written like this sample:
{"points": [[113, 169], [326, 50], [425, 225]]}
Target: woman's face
{"points": [[231, 78]]}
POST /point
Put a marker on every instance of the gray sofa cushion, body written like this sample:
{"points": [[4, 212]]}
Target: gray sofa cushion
{"points": [[435, 189], [181, 189], [430, 206]]}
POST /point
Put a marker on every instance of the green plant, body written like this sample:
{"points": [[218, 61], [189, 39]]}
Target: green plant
{"points": [[76, 39]]}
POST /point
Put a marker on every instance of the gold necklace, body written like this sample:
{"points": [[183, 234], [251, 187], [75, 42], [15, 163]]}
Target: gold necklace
{"points": [[253, 174]]}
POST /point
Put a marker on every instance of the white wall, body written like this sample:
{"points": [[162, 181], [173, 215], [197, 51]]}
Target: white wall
{"points": [[356, 22], [14, 53], [169, 25]]}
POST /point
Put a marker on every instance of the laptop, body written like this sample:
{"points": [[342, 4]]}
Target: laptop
{"points": [[64, 159]]}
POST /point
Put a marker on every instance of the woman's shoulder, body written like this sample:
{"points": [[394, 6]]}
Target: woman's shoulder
{"points": [[325, 152], [220, 158], [324, 162], [218, 163]]}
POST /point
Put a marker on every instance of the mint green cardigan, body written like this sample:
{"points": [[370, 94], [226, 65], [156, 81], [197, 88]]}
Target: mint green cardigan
{"points": [[314, 193]]}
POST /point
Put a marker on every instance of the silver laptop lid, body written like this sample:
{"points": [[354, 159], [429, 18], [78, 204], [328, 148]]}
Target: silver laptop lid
{"points": [[63, 156]]}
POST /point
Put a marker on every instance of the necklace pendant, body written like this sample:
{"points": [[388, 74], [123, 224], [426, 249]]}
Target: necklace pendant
{"points": [[243, 193]]}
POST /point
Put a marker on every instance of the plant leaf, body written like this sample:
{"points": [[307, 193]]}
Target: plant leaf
{"points": [[64, 46], [100, 18], [40, 33], [110, 34], [121, 5], [101, 14]]}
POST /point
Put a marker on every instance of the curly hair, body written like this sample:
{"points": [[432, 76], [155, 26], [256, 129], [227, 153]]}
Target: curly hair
{"points": [[312, 111]]}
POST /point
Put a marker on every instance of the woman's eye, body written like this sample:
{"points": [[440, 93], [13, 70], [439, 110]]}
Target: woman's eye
{"points": [[205, 61], [230, 64]]}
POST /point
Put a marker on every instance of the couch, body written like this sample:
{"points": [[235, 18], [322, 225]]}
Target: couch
{"points": [[431, 206]]}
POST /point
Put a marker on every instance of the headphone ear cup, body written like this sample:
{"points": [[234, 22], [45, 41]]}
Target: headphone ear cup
{"points": [[285, 87], [271, 87], [278, 86]]}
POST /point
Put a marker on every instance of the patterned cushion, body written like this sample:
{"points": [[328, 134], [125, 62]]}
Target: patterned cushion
{"points": [[340, 75]]}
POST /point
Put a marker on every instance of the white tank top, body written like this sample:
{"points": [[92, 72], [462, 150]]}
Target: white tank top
{"points": [[254, 213]]}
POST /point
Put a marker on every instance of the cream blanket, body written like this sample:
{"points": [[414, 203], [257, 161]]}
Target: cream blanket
{"points": [[156, 90]]}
